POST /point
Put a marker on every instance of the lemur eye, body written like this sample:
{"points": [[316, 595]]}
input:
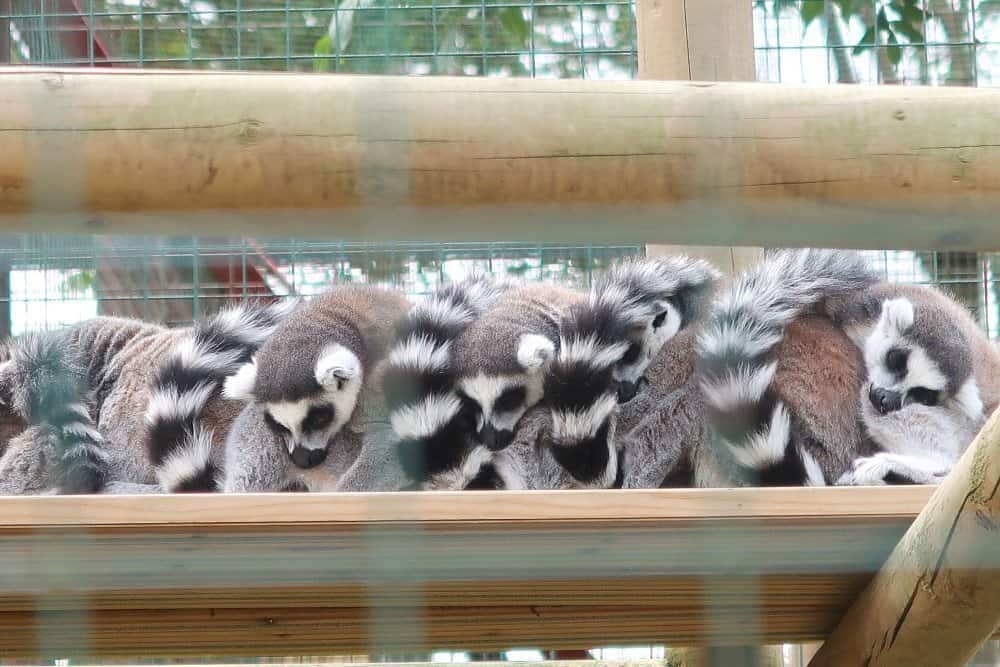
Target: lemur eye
{"points": [[658, 321], [318, 418], [274, 425], [924, 396], [632, 354], [511, 399], [469, 405], [895, 360]]}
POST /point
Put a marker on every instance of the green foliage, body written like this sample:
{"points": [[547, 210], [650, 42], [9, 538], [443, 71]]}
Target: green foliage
{"points": [[386, 36]]}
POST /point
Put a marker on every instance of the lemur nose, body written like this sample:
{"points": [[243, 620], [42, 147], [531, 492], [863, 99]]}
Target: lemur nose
{"points": [[493, 438], [308, 458], [884, 400]]}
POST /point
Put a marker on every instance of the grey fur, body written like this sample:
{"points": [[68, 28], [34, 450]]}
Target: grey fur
{"points": [[942, 346], [43, 386], [737, 357], [360, 319]]}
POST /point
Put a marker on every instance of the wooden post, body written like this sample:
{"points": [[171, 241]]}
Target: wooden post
{"points": [[5, 7], [697, 40], [937, 598]]}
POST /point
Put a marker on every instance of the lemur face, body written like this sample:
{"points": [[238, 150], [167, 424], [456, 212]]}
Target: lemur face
{"points": [[901, 372], [307, 425], [646, 344], [496, 403]]}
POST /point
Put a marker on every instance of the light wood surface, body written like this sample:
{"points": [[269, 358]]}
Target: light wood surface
{"points": [[937, 598], [475, 159], [317, 574]]}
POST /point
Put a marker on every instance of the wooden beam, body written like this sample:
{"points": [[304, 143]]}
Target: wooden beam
{"points": [[704, 40], [937, 598], [475, 159], [281, 574], [697, 40]]}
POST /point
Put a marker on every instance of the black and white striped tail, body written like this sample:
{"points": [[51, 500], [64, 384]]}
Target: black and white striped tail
{"points": [[580, 388], [737, 357], [641, 282], [178, 444], [427, 415], [55, 395]]}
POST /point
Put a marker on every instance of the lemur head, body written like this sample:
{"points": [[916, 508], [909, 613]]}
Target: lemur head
{"points": [[657, 297], [305, 404], [500, 380], [917, 354]]}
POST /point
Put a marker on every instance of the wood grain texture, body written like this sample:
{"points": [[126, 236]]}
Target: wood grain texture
{"points": [[937, 598], [283, 574], [491, 159]]}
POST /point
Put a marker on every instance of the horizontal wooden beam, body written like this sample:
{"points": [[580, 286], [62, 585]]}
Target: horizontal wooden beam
{"points": [[493, 159], [937, 598], [284, 574]]}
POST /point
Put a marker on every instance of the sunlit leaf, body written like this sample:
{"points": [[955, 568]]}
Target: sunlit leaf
{"points": [[322, 48]]}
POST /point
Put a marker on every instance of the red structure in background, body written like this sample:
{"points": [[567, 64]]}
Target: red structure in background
{"points": [[82, 44]]}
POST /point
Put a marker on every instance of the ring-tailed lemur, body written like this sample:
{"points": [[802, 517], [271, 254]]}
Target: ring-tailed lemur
{"points": [[179, 443], [59, 448], [665, 436], [924, 366], [119, 359], [307, 381], [428, 418], [606, 345], [738, 360], [932, 379], [501, 359]]}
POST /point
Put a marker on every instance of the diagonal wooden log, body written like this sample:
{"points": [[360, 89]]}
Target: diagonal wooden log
{"points": [[937, 598]]}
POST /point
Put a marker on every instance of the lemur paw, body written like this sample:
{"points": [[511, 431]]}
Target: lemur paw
{"points": [[880, 470]]}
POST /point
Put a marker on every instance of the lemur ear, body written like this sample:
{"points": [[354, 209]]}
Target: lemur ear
{"points": [[239, 385], [898, 315], [336, 366], [535, 353]]}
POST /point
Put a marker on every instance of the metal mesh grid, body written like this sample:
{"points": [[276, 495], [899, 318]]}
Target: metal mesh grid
{"points": [[541, 38], [56, 280], [937, 42]]}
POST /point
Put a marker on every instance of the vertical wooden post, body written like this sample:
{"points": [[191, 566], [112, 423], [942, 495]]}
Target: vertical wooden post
{"points": [[702, 40], [698, 40], [5, 7]]}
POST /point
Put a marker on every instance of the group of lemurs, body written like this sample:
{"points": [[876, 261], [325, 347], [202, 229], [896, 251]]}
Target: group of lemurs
{"points": [[806, 369]]}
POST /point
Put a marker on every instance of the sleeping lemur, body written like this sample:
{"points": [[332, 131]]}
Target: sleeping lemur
{"points": [[315, 387]]}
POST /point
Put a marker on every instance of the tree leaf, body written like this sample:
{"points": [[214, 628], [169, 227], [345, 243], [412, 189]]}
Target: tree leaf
{"points": [[894, 51], [866, 42], [811, 10], [912, 14], [323, 47], [907, 30], [882, 21]]}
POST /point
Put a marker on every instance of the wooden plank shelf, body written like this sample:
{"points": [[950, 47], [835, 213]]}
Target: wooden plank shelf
{"points": [[282, 574]]}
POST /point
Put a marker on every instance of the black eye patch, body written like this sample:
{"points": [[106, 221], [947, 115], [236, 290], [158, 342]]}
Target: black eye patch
{"points": [[274, 425], [511, 399], [632, 354], [924, 396], [318, 418], [469, 405], [659, 319], [895, 361]]}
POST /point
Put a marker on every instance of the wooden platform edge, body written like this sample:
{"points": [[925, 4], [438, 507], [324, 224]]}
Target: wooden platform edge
{"points": [[937, 597], [477, 507]]}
